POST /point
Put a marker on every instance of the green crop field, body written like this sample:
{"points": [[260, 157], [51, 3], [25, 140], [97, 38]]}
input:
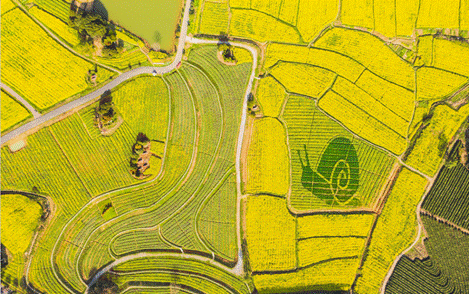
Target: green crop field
{"points": [[197, 168], [396, 220], [322, 160], [448, 196], [443, 271], [320, 148]]}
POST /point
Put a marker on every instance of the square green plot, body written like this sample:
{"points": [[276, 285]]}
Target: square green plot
{"points": [[331, 168]]}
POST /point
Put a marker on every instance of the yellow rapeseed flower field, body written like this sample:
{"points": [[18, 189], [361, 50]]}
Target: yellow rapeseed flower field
{"points": [[438, 14], [214, 18], [261, 27], [395, 230], [425, 49], [37, 67], [240, 3], [12, 112], [434, 83], [340, 64], [271, 96], [314, 15], [425, 155], [270, 7], [59, 27], [270, 234], [289, 11], [357, 13], [334, 275], [375, 108], [268, 165], [464, 15], [303, 79], [242, 55], [361, 123], [398, 99], [406, 15], [385, 17], [451, 55], [320, 225], [316, 250], [20, 216], [371, 52], [7, 5]]}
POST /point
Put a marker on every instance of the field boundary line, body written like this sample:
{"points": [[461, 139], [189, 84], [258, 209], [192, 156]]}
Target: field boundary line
{"points": [[157, 254], [207, 174], [57, 39], [161, 201], [444, 220], [21, 100], [420, 228]]}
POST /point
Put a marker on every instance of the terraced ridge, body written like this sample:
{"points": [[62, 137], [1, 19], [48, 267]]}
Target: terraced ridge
{"points": [[206, 103]]}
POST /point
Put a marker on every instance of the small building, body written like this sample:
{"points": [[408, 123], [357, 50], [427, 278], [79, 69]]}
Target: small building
{"points": [[85, 5]]}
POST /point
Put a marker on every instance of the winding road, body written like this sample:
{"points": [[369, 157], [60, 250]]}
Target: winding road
{"points": [[24, 129], [40, 120]]}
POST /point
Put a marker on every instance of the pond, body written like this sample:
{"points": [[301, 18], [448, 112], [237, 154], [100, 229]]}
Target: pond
{"points": [[153, 20]]}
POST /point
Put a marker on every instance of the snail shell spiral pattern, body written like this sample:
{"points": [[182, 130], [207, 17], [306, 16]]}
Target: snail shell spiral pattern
{"points": [[337, 177]]}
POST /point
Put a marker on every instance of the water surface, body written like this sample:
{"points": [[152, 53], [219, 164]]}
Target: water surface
{"points": [[153, 20]]}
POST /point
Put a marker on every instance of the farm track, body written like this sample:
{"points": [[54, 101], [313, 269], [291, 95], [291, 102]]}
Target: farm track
{"points": [[20, 99], [37, 122], [238, 267]]}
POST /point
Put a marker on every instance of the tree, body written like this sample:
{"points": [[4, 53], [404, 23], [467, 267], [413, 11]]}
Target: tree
{"points": [[104, 285]]}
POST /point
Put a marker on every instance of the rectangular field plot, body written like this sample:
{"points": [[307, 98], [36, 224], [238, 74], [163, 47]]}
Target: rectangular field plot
{"points": [[293, 76], [434, 83], [314, 250], [385, 17], [451, 56], [214, 18], [334, 275], [270, 234], [267, 167], [42, 79], [398, 220], [342, 65], [334, 225], [358, 13], [371, 52], [397, 99], [372, 106], [438, 14], [361, 123], [261, 27], [289, 11], [406, 15], [331, 169]]}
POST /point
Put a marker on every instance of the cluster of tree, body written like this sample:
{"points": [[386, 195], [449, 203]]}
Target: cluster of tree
{"points": [[104, 285], [138, 149], [227, 52], [93, 30], [105, 112]]}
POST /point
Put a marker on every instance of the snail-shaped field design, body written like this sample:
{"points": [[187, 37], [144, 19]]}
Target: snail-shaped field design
{"points": [[336, 179]]}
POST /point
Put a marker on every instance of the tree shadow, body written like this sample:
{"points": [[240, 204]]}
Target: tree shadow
{"points": [[308, 173], [99, 8]]}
